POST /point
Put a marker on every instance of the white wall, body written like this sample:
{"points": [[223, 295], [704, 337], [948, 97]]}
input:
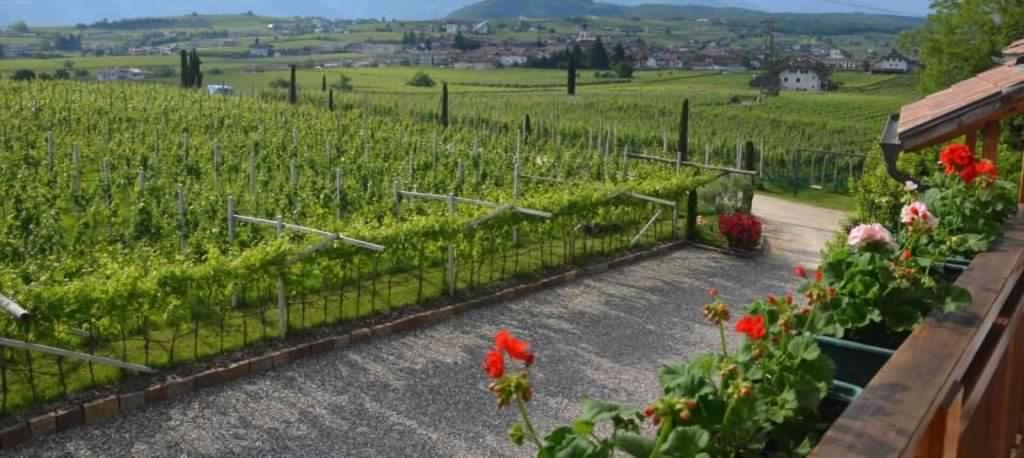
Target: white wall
{"points": [[800, 80], [892, 64]]}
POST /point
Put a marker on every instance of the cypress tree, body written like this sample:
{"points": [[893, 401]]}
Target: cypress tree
{"points": [[526, 126], [323, 84], [330, 100], [572, 73], [185, 80], [196, 73], [444, 105], [684, 131], [292, 96]]}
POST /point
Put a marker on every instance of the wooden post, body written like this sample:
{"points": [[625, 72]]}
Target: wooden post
{"points": [[183, 218], [971, 140], [252, 168], [991, 147], [216, 163], [337, 193], [330, 100], [943, 437], [450, 273], [49, 152], [75, 172], [292, 93], [691, 215], [684, 133], [444, 105], [231, 218], [748, 164], [572, 72], [282, 298], [398, 200]]}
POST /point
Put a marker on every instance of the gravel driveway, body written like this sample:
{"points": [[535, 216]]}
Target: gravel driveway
{"points": [[422, 394]]}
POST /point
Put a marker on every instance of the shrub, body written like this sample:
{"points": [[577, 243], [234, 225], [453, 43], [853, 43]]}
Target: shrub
{"points": [[421, 79], [24, 75], [280, 83], [742, 230], [344, 83], [623, 70], [216, 71]]}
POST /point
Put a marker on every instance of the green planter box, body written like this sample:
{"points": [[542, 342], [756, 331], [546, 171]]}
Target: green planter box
{"points": [[856, 363]]}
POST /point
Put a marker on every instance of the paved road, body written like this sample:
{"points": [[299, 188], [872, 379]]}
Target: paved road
{"points": [[796, 231], [422, 394]]}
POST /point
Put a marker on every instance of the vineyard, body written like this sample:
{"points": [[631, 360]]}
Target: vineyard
{"points": [[157, 226]]}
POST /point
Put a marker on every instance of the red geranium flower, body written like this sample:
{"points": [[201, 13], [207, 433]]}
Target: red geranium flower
{"points": [[516, 349], [799, 271], [752, 326], [494, 363], [818, 276], [713, 292], [969, 174], [986, 168], [955, 158]]}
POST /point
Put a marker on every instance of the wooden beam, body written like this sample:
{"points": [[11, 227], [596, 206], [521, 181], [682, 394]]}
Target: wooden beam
{"points": [[957, 128], [991, 139], [971, 140]]}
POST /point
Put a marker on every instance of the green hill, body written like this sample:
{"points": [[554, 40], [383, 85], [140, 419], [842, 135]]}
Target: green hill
{"points": [[812, 24]]}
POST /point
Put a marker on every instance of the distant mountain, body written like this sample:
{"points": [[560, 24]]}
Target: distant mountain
{"points": [[68, 12], [804, 23]]}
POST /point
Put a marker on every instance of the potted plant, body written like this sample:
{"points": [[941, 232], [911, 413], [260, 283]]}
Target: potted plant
{"points": [[742, 231]]}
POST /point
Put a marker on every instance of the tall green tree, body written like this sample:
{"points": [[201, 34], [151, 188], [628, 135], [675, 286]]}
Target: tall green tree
{"points": [[961, 37], [186, 79], [598, 56], [618, 54], [195, 69]]}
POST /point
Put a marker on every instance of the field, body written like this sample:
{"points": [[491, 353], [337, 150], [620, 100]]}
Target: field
{"points": [[116, 232]]}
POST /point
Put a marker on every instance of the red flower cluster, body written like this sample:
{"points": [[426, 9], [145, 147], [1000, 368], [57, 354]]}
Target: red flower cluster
{"points": [[752, 326], [742, 230], [505, 342], [959, 160]]}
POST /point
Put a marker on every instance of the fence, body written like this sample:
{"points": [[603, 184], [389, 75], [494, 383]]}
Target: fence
{"points": [[955, 388]]}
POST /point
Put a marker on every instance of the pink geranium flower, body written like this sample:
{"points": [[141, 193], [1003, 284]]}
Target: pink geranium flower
{"points": [[870, 234], [916, 212]]}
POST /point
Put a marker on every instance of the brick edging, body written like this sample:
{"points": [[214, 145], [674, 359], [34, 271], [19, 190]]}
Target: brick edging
{"points": [[103, 408]]}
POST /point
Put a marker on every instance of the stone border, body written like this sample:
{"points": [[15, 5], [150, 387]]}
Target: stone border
{"points": [[103, 408]]}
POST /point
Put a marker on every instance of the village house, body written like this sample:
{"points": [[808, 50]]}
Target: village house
{"points": [[121, 74], [894, 62], [483, 28], [799, 77], [456, 27], [513, 60], [261, 50], [841, 60]]}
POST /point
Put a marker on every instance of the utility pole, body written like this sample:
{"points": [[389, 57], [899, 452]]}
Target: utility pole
{"points": [[769, 24]]}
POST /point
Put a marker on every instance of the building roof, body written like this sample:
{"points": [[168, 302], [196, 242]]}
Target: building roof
{"points": [[963, 107], [1015, 50]]}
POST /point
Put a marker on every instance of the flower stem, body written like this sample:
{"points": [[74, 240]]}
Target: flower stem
{"points": [[721, 333], [521, 406], [663, 431]]}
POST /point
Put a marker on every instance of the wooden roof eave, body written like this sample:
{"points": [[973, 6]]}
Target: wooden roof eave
{"points": [[944, 128]]}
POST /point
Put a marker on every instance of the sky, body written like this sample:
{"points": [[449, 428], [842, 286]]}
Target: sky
{"points": [[64, 12]]}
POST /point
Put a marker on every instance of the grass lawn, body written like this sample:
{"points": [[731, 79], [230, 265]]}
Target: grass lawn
{"points": [[818, 198]]}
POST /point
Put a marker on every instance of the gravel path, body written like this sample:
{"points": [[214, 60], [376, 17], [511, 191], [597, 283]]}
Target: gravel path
{"points": [[796, 231], [422, 394]]}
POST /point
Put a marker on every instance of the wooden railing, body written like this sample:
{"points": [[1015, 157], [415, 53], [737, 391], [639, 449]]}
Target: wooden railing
{"points": [[955, 388]]}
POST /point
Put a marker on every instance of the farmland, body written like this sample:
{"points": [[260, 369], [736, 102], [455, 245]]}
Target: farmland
{"points": [[116, 231]]}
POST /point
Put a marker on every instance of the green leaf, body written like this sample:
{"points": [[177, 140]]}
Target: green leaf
{"points": [[595, 411], [634, 444], [804, 347], [685, 442]]}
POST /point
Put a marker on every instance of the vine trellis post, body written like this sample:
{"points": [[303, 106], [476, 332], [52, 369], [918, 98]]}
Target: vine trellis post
{"points": [[280, 226]]}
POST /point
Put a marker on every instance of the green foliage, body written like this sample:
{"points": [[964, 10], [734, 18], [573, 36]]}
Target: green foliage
{"points": [[623, 70], [23, 75], [421, 79], [971, 215], [960, 39], [18, 27], [343, 84], [279, 83]]}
